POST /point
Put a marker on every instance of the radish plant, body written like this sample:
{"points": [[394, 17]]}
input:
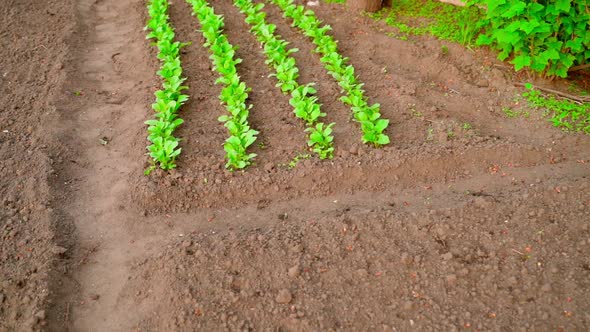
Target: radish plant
{"points": [[164, 146], [305, 104], [369, 116], [321, 140], [234, 93]]}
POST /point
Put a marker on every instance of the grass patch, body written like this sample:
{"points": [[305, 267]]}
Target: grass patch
{"points": [[565, 114], [441, 20]]}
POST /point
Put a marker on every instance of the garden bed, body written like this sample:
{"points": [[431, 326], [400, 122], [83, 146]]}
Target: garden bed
{"points": [[475, 215]]}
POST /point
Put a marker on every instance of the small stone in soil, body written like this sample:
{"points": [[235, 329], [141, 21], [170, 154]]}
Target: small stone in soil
{"points": [[40, 314], [407, 306], [447, 256], [405, 258], [284, 296], [482, 202], [293, 272]]}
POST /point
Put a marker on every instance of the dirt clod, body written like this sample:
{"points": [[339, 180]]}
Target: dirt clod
{"points": [[284, 296], [294, 271]]}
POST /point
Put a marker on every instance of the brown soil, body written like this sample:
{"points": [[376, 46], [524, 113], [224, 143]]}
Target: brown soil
{"points": [[32, 60], [451, 227], [420, 90]]}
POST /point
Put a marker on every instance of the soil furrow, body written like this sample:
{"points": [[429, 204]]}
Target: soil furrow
{"points": [[110, 65]]}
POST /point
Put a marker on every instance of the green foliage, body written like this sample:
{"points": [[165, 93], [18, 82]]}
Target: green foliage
{"points": [[565, 114], [293, 163], [546, 36], [509, 112], [164, 146], [354, 96], [441, 20], [234, 93], [305, 104], [321, 140]]}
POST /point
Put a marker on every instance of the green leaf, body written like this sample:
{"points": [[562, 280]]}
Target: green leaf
{"points": [[381, 124], [484, 40], [516, 8], [521, 61], [529, 26], [563, 5], [383, 139]]}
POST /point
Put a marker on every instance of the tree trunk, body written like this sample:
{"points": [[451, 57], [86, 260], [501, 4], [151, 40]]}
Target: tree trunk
{"points": [[365, 5]]}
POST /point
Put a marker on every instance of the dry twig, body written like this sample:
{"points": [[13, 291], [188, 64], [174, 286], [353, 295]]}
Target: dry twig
{"points": [[580, 99]]}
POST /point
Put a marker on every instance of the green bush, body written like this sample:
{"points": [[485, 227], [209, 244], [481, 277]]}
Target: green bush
{"points": [[547, 36]]}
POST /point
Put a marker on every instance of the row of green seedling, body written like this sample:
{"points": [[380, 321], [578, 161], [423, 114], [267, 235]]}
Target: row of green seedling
{"points": [[164, 146], [303, 101], [369, 116], [234, 92]]}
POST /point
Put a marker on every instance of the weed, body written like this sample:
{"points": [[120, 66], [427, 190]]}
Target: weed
{"points": [[430, 134], [451, 134], [415, 113], [444, 50], [293, 163], [443, 21], [466, 126], [575, 88], [509, 112], [565, 114]]}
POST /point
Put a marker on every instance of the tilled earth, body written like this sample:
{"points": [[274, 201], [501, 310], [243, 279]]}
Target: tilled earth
{"points": [[32, 57], [469, 220], [366, 266]]}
